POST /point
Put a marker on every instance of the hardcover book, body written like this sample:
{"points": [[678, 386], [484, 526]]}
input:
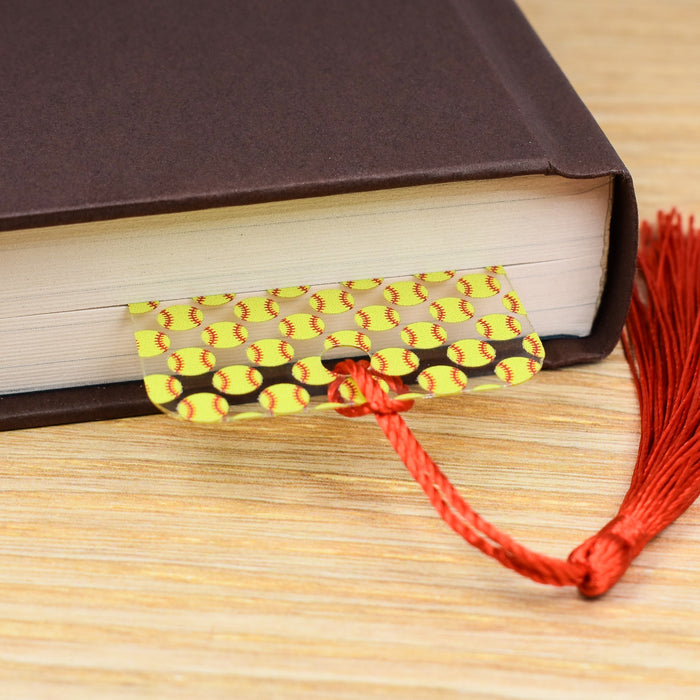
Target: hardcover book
{"points": [[165, 150]]}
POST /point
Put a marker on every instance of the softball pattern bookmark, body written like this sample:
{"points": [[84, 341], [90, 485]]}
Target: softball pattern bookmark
{"points": [[232, 356]]}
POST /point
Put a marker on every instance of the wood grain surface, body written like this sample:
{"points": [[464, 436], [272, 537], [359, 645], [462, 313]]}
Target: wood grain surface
{"points": [[296, 558]]}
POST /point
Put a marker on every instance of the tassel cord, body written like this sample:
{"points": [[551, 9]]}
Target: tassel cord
{"points": [[444, 497]]}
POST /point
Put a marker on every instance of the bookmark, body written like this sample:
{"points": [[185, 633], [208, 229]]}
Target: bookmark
{"points": [[211, 359], [235, 356]]}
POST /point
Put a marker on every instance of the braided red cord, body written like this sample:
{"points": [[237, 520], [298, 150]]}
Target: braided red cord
{"points": [[446, 500], [662, 345]]}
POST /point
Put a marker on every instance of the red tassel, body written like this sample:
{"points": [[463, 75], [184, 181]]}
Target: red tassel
{"points": [[662, 345]]}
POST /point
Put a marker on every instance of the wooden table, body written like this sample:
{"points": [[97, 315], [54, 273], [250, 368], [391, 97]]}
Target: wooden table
{"points": [[297, 559]]}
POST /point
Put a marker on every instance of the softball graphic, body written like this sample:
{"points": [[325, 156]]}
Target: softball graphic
{"points": [[451, 310], [512, 303], [406, 293], [348, 339], [435, 276], [289, 292], [310, 370], [478, 285], [281, 399], [516, 370], [214, 299], [270, 352], [442, 380], [533, 345], [256, 309], [162, 388], [424, 335], [363, 284], [143, 307], [203, 407], [301, 326], [332, 301], [237, 379], [191, 362], [377, 318], [180, 317], [151, 343], [471, 353], [225, 334], [498, 327], [394, 361], [350, 392]]}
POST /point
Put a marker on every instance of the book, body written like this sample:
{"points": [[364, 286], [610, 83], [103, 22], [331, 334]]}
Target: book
{"points": [[164, 150]]}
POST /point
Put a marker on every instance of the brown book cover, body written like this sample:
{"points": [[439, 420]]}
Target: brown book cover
{"points": [[136, 108]]}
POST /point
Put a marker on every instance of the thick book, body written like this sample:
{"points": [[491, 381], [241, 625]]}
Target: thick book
{"points": [[172, 149]]}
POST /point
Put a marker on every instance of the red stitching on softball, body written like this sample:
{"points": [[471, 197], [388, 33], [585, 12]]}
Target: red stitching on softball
{"points": [[223, 381], [364, 318], [178, 361], [382, 362], [286, 350], [459, 354], [458, 377], [508, 372], [194, 315], [466, 287], [513, 325], [166, 318], [408, 359], [240, 333], [299, 396], [271, 400], [438, 332], [537, 349], [189, 406], [270, 307], [303, 372], [257, 353], [466, 308], [160, 341], [485, 327], [251, 376], [205, 357], [486, 350], [317, 303], [439, 311], [171, 386], [411, 336], [288, 327], [511, 302], [317, 325], [219, 406], [243, 310], [391, 316]]}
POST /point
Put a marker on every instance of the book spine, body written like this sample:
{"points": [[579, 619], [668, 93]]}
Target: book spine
{"points": [[571, 144]]}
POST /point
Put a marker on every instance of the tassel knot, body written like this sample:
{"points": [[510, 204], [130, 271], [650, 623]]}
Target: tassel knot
{"points": [[606, 556], [377, 400]]}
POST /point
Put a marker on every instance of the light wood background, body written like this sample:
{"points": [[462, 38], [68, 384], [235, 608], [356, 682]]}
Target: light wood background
{"points": [[295, 558]]}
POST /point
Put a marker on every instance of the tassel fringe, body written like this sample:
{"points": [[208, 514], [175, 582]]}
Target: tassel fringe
{"points": [[662, 345]]}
